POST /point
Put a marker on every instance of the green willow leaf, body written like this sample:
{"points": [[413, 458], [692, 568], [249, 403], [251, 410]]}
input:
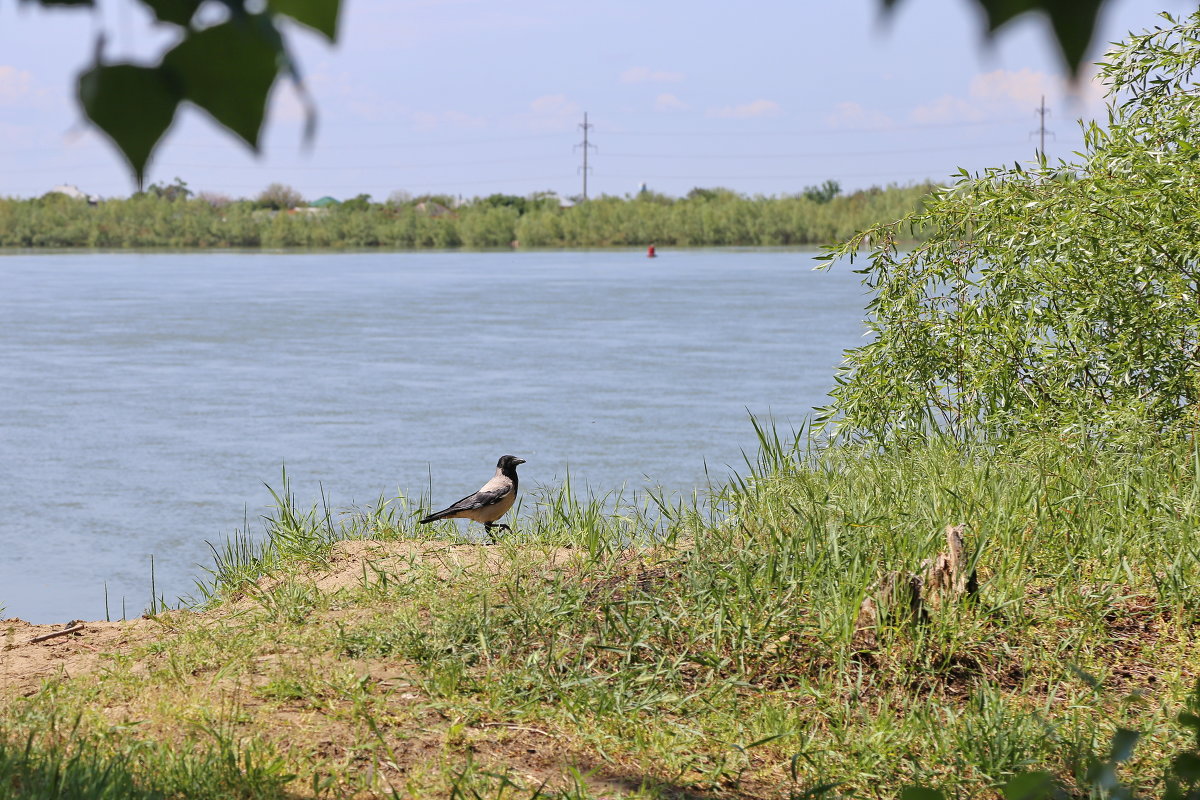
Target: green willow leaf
{"points": [[133, 105], [320, 15], [228, 71], [1048, 295], [177, 12]]}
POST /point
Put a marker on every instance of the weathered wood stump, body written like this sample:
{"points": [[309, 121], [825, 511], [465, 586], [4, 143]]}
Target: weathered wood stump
{"points": [[938, 582]]}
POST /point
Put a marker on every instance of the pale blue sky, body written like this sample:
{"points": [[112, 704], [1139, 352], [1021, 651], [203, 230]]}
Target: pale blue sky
{"points": [[468, 97]]}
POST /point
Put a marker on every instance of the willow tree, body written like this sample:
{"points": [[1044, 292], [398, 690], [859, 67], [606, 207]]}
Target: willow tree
{"points": [[1050, 295]]}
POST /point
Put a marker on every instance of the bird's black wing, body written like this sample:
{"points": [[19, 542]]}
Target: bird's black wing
{"points": [[480, 499]]}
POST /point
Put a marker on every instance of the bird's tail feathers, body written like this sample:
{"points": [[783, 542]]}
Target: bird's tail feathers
{"points": [[434, 517]]}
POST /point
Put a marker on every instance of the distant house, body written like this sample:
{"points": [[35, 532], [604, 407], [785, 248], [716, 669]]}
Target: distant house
{"points": [[325, 202], [75, 193]]}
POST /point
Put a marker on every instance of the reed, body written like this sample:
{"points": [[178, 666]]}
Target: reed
{"points": [[703, 219]]}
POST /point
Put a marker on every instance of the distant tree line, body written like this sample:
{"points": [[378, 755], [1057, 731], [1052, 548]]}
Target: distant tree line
{"points": [[171, 215]]}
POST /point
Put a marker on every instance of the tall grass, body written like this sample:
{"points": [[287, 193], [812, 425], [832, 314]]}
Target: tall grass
{"points": [[56, 762], [291, 536], [742, 625]]}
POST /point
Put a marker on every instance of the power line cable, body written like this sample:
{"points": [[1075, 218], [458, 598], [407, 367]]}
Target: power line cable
{"points": [[443, 142], [825, 131], [165, 164]]}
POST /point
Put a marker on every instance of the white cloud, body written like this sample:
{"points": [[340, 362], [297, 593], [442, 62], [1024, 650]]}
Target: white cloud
{"points": [[14, 83], [1011, 93], [647, 75], [462, 119], [1090, 93], [669, 102], [553, 112], [947, 108], [852, 115], [428, 120], [17, 134], [286, 103], [757, 108], [552, 104], [18, 87], [337, 94], [1022, 88]]}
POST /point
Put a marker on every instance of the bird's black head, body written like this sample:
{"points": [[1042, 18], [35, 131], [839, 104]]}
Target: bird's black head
{"points": [[509, 463]]}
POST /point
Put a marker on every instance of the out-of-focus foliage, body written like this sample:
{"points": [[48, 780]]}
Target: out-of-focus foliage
{"points": [[1072, 23], [227, 69]]}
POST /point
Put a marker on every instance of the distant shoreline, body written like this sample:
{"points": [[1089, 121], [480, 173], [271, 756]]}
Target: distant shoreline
{"points": [[634, 250], [705, 218]]}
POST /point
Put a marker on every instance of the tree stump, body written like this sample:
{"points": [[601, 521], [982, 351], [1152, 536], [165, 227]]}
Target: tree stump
{"points": [[914, 596]]}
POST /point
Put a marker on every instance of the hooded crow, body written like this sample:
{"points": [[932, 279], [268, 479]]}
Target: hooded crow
{"points": [[492, 500]]}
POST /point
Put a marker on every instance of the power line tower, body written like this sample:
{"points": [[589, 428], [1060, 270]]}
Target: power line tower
{"points": [[585, 146], [1042, 111]]}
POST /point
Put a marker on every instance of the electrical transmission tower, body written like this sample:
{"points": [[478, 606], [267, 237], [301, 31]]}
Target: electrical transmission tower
{"points": [[1042, 111], [585, 146]]}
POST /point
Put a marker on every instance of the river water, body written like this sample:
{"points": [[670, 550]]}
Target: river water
{"points": [[145, 398]]}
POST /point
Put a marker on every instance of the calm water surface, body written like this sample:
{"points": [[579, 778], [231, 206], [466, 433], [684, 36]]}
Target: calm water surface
{"points": [[146, 398]]}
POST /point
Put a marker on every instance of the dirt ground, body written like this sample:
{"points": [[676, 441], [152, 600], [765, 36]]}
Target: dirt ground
{"points": [[25, 663]]}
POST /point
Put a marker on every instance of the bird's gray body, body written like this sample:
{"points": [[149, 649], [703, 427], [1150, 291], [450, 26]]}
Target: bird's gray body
{"points": [[491, 502]]}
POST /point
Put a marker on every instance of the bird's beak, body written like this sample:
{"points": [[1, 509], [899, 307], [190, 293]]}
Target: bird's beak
{"points": [[520, 461]]}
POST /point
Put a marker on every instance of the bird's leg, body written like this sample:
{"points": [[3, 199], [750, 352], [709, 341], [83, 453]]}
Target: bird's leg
{"points": [[487, 528]]}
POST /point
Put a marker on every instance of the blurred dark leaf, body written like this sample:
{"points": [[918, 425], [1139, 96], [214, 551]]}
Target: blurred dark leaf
{"points": [[133, 105], [1123, 742], [320, 15], [1087, 678], [178, 12], [1187, 767], [920, 793], [1030, 786], [228, 71], [1073, 21]]}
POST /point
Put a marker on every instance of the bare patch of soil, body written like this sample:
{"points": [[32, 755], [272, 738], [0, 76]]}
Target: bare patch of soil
{"points": [[354, 562], [25, 665]]}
